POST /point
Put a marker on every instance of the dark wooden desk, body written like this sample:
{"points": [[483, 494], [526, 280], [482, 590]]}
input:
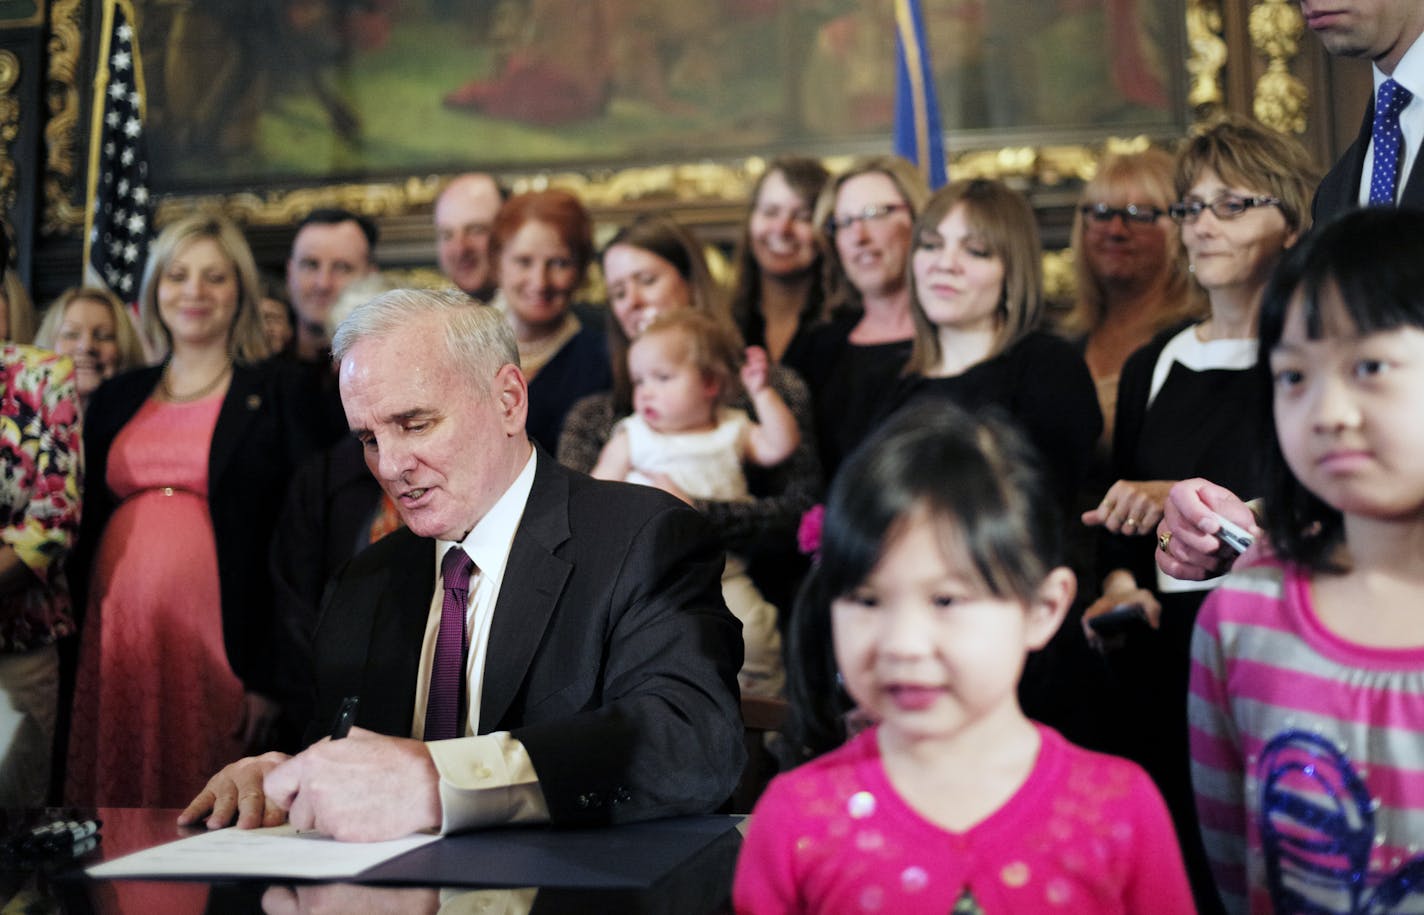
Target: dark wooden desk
{"points": [[699, 884]]}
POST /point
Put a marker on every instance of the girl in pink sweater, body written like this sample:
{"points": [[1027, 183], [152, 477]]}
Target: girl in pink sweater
{"points": [[938, 574]]}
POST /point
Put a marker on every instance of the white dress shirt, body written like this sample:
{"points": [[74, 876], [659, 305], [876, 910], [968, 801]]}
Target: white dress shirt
{"points": [[486, 779], [1410, 75]]}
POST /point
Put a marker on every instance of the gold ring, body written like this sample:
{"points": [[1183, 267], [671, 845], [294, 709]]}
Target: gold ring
{"points": [[1163, 539], [1131, 521]]}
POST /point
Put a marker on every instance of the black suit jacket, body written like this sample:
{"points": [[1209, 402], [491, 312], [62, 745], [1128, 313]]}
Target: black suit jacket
{"points": [[611, 657], [263, 432], [325, 521], [1339, 191]]}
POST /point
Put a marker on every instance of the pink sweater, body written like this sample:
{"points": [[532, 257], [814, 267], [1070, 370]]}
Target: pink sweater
{"points": [[1307, 754], [1085, 833]]}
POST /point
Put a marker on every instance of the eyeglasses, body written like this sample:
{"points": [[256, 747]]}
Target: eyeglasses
{"points": [[1101, 212], [873, 213], [1227, 206]]}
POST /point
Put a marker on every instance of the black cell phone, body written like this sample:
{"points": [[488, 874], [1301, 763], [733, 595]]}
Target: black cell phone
{"points": [[1113, 627]]}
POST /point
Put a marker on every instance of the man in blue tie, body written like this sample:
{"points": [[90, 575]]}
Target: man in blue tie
{"points": [[1381, 166]]}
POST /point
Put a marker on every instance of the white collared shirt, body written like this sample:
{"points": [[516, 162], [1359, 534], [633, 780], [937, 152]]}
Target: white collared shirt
{"points": [[485, 779], [1410, 75]]}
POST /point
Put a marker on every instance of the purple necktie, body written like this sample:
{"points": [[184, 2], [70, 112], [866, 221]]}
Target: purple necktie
{"points": [[447, 674], [1388, 142]]}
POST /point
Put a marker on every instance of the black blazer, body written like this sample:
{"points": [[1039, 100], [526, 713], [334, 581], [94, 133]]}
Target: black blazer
{"points": [[325, 520], [611, 657], [264, 430], [1339, 191]]}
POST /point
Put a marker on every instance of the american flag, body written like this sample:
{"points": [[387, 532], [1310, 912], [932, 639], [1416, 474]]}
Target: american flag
{"points": [[120, 211]]}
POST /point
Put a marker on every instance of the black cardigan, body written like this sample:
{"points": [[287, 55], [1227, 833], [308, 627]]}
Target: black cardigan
{"points": [[268, 423]]}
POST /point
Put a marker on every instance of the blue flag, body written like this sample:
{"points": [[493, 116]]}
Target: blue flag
{"points": [[918, 136]]}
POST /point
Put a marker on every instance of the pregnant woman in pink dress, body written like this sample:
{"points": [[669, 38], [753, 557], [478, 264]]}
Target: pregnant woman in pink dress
{"points": [[187, 465]]}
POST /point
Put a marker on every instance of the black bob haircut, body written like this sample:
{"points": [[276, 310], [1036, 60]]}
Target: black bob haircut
{"points": [[975, 474], [1370, 262]]}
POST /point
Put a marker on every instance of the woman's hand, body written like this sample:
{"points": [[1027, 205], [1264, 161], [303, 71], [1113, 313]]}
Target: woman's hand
{"points": [[1187, 547], [1131, 507], [1120, 588], [257, 724]]}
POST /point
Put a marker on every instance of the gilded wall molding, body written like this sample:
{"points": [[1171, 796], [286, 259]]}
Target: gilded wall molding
{"points": [[61, 129], [1206, 58], [1280, 98], [9, 127]]}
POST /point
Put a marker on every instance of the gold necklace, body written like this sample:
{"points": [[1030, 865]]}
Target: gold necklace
{"points": [[204, 391]]}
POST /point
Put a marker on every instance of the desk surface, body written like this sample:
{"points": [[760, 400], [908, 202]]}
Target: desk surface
{"points": [[620, 869]]}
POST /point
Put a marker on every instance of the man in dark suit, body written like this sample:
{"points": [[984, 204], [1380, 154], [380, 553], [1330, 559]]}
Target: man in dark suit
{"points": [[1388, 33], [598, 684]]}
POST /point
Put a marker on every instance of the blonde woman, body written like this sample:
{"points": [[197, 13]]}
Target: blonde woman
{"points": [[188, 462], [92, 327], [864, 218], [1130, 268]]}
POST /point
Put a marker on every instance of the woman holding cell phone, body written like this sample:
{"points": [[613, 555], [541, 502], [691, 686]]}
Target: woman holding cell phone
{"points": [[1187, 406]]}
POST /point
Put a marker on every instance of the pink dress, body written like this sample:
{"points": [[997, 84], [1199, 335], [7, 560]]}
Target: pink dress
{"points": [[156, 701]]}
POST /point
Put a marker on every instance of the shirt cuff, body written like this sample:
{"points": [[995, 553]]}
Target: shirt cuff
{"points": [[487, 780]]}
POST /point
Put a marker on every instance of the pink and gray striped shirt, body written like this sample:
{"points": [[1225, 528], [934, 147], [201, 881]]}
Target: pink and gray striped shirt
{"points": [[1307, 754]]}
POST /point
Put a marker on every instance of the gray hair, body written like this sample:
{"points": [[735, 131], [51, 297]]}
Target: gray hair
{"points": [[477, 337], [354, 293]]}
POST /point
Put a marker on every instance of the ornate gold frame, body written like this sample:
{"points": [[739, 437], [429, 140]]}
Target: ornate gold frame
{"points": [[1275, 27], [36, 19], [9, 127]]}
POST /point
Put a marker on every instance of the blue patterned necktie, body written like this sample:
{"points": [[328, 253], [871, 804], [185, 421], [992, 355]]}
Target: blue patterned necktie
{"points": [[442, 706], [1388, 142]]}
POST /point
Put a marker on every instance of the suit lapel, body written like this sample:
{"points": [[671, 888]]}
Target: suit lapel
{"points": [[1354, 161], [534, 578], [1414, 189], [397, 631], [1340, 191]]}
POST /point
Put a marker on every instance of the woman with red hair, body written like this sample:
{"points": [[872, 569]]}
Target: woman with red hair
{"points": [[541, 244]]}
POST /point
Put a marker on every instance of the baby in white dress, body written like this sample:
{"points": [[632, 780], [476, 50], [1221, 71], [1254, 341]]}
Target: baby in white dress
{"points": [[682, 438]]}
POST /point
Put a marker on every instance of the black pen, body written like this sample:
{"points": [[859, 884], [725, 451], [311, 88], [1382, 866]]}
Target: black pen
{"points": [[345, 717]]}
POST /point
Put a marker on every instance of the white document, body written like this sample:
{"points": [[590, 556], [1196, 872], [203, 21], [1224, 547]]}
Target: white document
{"points": [[277, 851]]}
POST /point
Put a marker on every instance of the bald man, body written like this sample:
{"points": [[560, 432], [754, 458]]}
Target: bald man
{"points": [[464, 214]]}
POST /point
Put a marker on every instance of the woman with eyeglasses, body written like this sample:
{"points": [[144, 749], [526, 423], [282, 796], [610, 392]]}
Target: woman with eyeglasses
{"points": [[1131, 271], [1132, 284], [864, 218], [1187, 406]]}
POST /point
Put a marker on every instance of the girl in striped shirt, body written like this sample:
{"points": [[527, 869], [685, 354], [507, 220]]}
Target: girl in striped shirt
{"points": [[1307, 694]]}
